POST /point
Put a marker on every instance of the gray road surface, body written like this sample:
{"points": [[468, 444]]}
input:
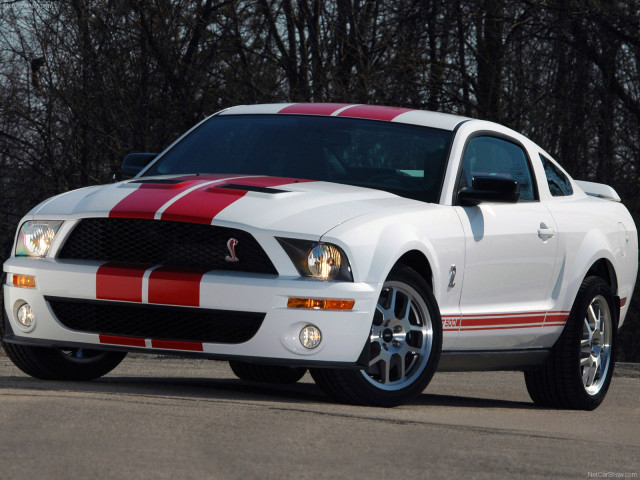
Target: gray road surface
{"points": [[160, 418]]}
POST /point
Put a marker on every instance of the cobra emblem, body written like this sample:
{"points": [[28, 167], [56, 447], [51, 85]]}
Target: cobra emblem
{"points": [[231, 245]]}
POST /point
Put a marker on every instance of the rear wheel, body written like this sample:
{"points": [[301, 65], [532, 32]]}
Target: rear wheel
{"points": [[404, 346], [266, 373], [579, 371], [48, 363]]}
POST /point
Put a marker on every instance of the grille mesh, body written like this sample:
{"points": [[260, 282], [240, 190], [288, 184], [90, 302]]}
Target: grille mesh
{"points": [[157, 322], [159, 242]]}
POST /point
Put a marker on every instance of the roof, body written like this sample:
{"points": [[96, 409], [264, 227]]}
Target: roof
{"points": [[372, 112]]}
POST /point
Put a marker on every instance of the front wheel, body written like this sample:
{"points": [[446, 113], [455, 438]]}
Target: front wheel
{"points": [[48, 363], [62, 363], [581, 365], [404, 346]]}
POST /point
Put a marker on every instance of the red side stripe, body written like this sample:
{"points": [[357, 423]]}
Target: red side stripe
{"points": [[116, 281], [373, 112], [497, 321], [176, 345], [500, 328], [500, 315], [314, 108], [556, 318], [171, 286], [117, 340], [504, 321]]}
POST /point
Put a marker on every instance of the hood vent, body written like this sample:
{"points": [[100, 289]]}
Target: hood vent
{"points": [[251, 188], [159, 181]]}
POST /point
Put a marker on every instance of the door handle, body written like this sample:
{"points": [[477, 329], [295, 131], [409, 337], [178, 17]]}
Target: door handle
{"points": [[545, 233]]}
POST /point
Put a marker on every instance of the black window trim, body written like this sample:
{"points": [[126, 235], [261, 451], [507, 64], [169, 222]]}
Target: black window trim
{"points": [[500, 136]]}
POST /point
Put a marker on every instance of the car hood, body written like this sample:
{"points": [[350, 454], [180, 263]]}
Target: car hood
{"points": [[284, 205]]}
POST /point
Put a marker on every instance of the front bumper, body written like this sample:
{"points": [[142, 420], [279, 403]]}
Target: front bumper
{"points": [[344, 333]]}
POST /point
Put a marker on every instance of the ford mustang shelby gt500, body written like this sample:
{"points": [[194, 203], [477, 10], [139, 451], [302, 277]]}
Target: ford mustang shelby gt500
{"points": [[369, 244]]}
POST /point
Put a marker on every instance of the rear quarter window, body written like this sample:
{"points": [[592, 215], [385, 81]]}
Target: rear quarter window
{"points": [[559, 183]]}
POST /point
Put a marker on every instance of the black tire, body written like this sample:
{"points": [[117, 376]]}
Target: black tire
{"points": [[405, 346], [266, 373], [578, 373], [61, 364]]}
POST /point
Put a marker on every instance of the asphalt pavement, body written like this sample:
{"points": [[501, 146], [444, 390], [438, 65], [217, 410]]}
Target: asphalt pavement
{"points": [[173, 418]]}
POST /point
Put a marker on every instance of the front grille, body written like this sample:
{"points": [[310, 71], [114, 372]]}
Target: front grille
{"points": [[156, 322], [160, 242]]}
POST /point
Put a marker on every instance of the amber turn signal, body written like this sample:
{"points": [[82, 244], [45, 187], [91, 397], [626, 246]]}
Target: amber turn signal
{"points": [[24, 281], [321, 304]]}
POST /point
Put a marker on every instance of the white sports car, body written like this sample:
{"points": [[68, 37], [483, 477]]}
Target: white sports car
{"points": [[372, 245]]}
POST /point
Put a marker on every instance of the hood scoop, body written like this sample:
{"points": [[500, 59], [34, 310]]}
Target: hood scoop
{"points": [[159, 181], [251, 188]]}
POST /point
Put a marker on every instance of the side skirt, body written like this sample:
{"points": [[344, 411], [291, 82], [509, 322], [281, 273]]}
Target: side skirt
{"points": [[461, 361]]}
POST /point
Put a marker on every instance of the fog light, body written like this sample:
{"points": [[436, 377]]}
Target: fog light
{"points": [[26, 317], [310, 337]]}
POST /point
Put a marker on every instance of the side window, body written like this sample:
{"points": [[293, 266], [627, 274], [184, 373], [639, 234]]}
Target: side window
{"points": [[559, 184], [491, 156]]}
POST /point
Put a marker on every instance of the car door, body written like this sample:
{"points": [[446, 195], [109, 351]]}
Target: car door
{"points": [[510, 252]]}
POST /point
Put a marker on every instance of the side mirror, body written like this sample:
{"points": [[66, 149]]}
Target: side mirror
{"points": [[490, 189], [134, 163]]}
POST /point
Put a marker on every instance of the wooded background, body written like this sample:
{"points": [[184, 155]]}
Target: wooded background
{"points": [[84, 82]]}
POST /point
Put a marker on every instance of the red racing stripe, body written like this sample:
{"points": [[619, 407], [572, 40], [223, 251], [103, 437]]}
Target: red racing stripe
{"points": [[144, 201], [314, 108], [118, 340], [177, 345], [373, 112], [172, 286], [119, 281], [202, 205], [161, 344]]}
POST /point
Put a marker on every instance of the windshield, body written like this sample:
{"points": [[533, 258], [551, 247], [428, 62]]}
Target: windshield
{"points": [[403, 159]]}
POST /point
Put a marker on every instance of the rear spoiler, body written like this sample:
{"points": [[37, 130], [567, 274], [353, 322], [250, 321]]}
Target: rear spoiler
{"points": [[599, 190]]}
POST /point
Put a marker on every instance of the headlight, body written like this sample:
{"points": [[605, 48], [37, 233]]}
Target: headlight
{"points": [[35, 238], [320, 260]]}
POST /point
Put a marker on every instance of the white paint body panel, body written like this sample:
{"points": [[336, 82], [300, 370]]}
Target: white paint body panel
{"points": [[512, 285], [508, 270]]}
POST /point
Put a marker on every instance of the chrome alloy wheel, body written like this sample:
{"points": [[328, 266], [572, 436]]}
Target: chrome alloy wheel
{"points": [[595, 347], [401, 338]]}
